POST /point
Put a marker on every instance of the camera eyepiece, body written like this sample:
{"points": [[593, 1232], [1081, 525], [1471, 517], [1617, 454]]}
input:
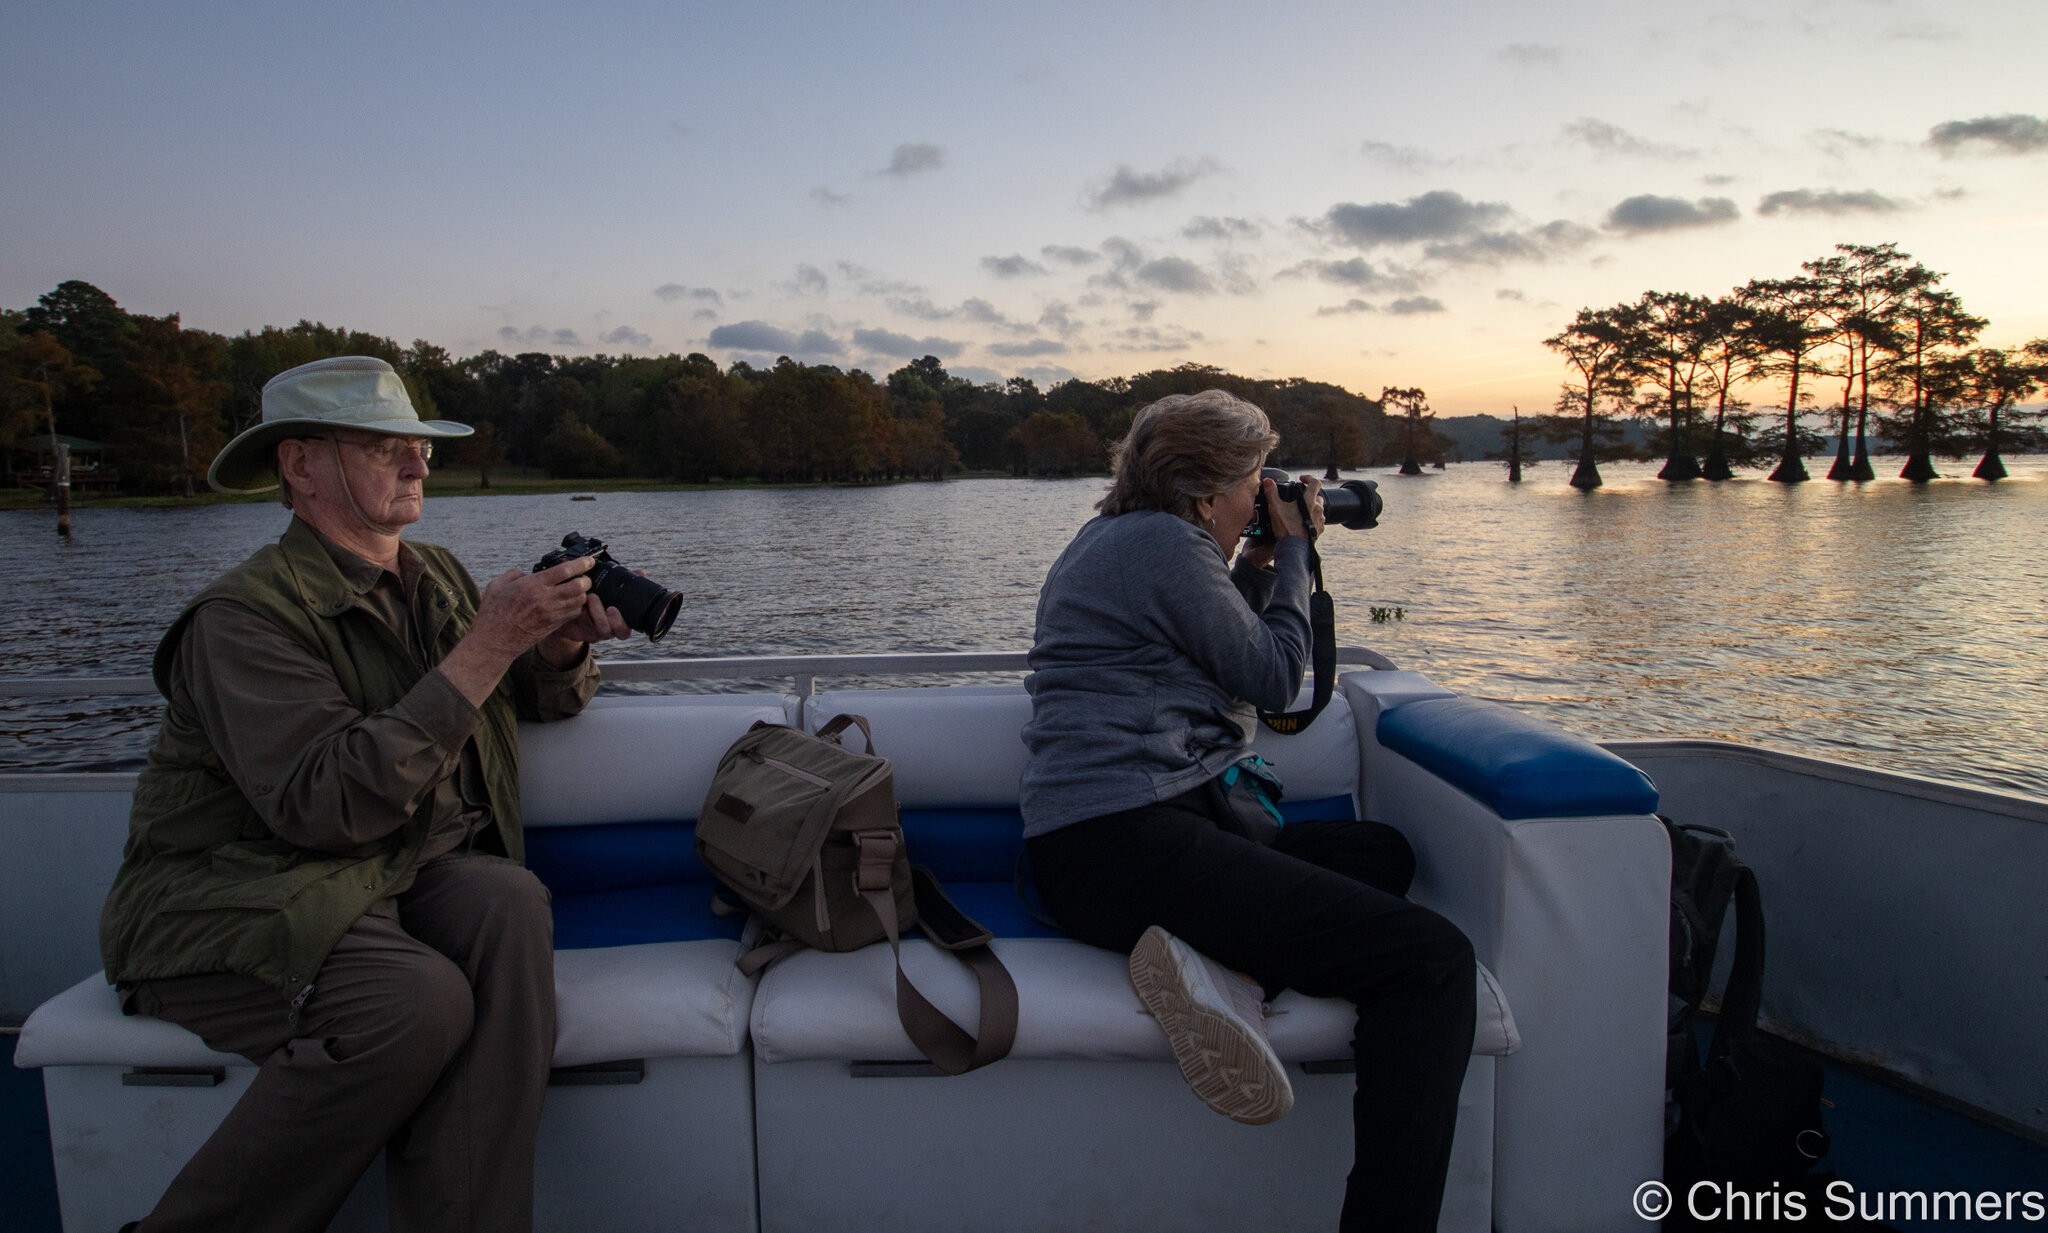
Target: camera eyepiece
{"points": [[647, 606], [1353, 504]]}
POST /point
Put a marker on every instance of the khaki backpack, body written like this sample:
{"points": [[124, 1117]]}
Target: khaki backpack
{"points": [[804, 833]]}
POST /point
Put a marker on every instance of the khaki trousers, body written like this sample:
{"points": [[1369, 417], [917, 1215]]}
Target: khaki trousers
{"points": [[428, 1036]]}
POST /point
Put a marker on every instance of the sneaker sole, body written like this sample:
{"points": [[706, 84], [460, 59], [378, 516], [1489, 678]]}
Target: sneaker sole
{"points": [[1233, 1070]]}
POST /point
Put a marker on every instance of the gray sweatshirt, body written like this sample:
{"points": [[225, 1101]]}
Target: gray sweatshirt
{"points": [[1150, 660]]}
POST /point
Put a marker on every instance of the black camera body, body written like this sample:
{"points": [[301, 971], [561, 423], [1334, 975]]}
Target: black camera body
{"points": [[647, 606], [1354, 504]]}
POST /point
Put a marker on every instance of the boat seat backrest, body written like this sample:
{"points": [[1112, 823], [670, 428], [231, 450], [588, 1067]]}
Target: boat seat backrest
{"points": [[611, 804]]}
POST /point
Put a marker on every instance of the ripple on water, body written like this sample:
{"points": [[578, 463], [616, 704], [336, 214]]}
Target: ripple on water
{"points": [[1885, 623]]}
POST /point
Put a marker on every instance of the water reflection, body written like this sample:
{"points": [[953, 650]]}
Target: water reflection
{"points": [[1884, 623]]}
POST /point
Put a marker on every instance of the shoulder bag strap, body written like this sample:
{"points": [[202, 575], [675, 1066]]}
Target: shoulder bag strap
{"points": [[1744, 996], [943, 1041]]}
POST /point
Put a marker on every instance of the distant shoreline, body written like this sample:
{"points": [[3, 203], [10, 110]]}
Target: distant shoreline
{"points": [[515, 482], [454, 482]]}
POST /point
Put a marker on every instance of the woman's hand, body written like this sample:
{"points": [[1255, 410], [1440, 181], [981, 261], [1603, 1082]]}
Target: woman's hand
{"points": [[1285, 516]]}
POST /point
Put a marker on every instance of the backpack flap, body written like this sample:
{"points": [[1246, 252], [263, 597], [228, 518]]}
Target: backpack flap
{"points": [[772, 804]]}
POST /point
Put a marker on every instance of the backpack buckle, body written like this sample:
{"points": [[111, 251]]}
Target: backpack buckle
{"points": [[877, 851]]}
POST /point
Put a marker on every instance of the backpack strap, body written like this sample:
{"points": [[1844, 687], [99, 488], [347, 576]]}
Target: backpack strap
{"points": [[946, 1043], [1744, 996], [840, 723]]}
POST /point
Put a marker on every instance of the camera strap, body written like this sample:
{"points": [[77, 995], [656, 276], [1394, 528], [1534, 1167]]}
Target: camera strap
{"points": [[1322, 643]]}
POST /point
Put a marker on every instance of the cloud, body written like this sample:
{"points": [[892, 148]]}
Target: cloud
{"points": [[1016, 265], [1067, 254], [1491, 248], [626, 336], [974, 309], [1400, 158], [1211, 228], [1604, 138], [1432, 216], [1531, 55], [1060, 319], [809, 280], [539, 336], [903, 346], [1511, 293], [1028, 350], [979, 310], [826, 197], [2013, 134], [1128, 187], [1354, 272], [1176, 274], [975, 375], [1415, 305], [1840, 141], [1346, 309], [1641, 215], [1045, 376], [914, 158], [671, 292], [773, 340], [1154, 338], [1827, 201]]}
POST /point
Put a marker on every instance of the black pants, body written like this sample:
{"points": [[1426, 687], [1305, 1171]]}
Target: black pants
{"points": [[1320, 911]]}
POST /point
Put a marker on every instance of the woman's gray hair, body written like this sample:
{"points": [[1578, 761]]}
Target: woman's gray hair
{"points": [[1183, 448]]}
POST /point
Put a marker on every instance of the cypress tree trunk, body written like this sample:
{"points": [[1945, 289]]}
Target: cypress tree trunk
{"points": [[1716, 467], [1791, 467], [1843, 469], [1992, 467], [1861, 471]]}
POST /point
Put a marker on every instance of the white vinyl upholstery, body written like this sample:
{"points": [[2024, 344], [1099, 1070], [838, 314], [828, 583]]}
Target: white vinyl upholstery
{"points": [[1074, 1002], [634, 759]]}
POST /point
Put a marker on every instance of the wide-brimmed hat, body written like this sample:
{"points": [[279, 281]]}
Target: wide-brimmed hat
{"points": [[348, 391]]}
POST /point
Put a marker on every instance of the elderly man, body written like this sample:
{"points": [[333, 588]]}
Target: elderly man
{"points": [[322, 871]]}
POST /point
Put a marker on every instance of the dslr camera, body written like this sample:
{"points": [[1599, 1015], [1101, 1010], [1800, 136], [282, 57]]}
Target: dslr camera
{"points": [[1353, 503], [647, 606]]}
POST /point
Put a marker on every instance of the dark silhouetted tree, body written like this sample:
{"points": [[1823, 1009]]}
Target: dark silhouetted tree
{"points": [[1596, 346]]}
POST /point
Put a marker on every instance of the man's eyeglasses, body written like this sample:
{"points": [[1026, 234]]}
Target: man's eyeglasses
{"points": [[390, 451]]}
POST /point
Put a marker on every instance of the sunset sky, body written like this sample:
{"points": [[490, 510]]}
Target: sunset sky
{"points": [[1364, 193]]}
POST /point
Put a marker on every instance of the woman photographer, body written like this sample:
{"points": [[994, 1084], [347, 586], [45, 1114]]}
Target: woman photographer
{"points": [[1151, 655]]}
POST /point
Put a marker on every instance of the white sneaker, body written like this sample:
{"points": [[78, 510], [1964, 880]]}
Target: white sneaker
{"points": [[1215, 1020]]}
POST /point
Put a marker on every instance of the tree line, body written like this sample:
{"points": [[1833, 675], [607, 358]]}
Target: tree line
{"points": [[1867, 337], [1892, 351], [161, 399]]}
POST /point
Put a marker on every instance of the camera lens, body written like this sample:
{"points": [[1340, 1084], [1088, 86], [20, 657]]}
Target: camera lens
{"points": [[647, 606]]}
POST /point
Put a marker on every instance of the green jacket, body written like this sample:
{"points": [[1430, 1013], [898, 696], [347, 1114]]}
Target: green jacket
{"points": [[204, 885]]}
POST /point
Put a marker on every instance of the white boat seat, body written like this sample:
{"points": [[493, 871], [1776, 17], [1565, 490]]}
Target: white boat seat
{"points": [[1074, 1003], [665, 999]]}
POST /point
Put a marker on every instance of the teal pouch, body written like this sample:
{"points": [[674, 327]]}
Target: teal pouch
{"points": [[1250, 791]]}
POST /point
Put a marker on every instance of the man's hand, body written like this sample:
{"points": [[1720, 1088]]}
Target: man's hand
{"points": [[519, 611], [595, 623]]}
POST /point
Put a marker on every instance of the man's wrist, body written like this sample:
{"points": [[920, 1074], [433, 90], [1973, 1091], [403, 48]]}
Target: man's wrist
{"points": [[561, 654]]}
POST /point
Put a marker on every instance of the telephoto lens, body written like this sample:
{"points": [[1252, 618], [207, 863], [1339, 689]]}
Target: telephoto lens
{"points": [[1353, 504], [647, 606]]}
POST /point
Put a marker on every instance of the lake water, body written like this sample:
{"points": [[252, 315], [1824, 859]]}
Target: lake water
{"points": [[1887, 624]]}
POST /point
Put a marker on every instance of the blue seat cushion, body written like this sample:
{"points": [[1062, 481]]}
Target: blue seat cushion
{"points": [[679, 913], [1517, 765], [625, 883]]}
